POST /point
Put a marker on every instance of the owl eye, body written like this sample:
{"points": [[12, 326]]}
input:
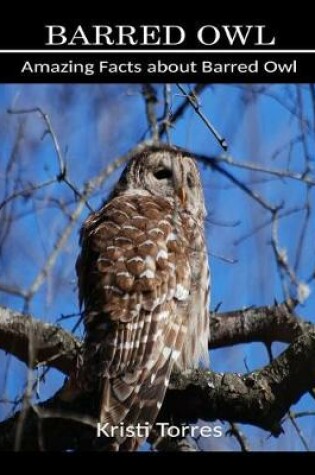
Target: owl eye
{"points": [[163, 174]]}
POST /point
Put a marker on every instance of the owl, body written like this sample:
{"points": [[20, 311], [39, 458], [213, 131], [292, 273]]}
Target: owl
{"points": [[143, 280]]}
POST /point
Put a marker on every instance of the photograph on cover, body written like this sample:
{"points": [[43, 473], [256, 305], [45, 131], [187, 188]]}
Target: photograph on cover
{"points": [[157, 267]]}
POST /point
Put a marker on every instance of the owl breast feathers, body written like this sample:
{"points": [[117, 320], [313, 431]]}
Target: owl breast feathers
{"points": [[144, 283]]}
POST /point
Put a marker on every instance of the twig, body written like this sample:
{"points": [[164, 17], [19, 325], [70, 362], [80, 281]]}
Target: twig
{"points": [[299, 431], [268, 221], [262, 90], [281, 173], [281, 257], [13, 290], [196, 106], [28, 393], [253, 194], [229, 260], [302, 126], [62, 175], [312, 91], [60, 243], [150, 99], [50, 130], [26, 192], [239, 436], [181, 109], [302, 234], [9, 174], [90, 186], [297, 415], [167, 112]]}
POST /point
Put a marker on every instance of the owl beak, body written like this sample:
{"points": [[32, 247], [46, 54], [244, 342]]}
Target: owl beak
{"points": [[182, 195]]}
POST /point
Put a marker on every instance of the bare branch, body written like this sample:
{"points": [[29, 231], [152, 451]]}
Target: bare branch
{"points": [[302, 234], [93, 184], [60, 243], [261, 398], [193, 101], [261, 324], [12, 290], [181, 109], [50, 130], [26, 192], [150, 99], [267, 222], [281, 173], [239, 436], [236, 181], [299, 431], [166, 120], [57, 348], [52, 345]]}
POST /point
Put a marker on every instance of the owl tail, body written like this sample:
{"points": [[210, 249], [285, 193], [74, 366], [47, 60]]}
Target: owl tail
{"points": [[131, 402]]}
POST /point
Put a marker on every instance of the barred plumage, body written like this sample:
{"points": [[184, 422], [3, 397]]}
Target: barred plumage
{"points": [[143, 280]]}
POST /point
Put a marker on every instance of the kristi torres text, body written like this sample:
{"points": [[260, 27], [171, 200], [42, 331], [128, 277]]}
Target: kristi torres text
{"points": [[165, 429], [158, 35]]}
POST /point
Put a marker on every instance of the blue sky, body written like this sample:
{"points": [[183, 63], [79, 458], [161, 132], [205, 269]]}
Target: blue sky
{"points": [[97, 123]]}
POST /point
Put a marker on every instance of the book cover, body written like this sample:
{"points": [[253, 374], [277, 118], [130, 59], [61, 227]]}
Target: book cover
{"points": [[157, 236]]}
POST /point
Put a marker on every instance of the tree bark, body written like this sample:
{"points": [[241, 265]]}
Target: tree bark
{"points": [[261, 398], [52, 345]]}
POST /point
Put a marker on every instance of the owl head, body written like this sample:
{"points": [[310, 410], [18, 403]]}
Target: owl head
{"points": [[168, 172]]}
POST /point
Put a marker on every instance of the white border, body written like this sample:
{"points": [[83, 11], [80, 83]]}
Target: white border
{"points": [[161, 51]]}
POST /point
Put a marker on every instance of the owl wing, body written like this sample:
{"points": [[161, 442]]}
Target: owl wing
{"points": [[134, 280]]}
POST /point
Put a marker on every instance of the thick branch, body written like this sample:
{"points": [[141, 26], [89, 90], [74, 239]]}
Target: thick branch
{"points": [[52, 345], [261, 324], [261, 398], [57, 348]]}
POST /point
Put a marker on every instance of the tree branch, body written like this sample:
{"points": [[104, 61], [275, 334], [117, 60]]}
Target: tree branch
{"points": [[261, 398], [181, 109], [57, 348], [261, 324], [52, 345]]}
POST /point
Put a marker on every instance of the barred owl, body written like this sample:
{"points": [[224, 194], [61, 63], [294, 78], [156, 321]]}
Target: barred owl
{"points": [[144, 281]]}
